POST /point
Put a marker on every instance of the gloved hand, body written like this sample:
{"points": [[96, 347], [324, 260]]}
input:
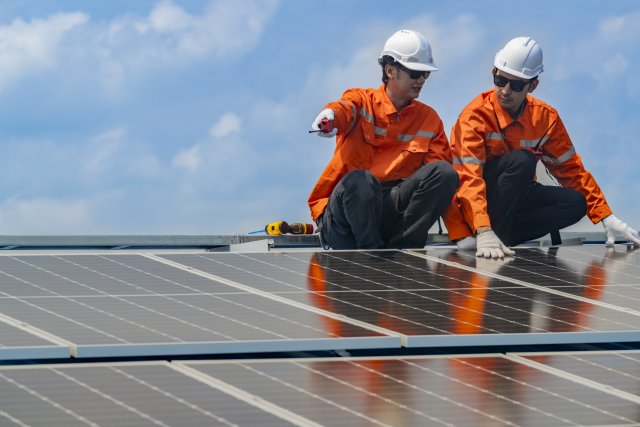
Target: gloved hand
{"points": [[616, 228], [490, 246], [467, 243], [328, 114]]}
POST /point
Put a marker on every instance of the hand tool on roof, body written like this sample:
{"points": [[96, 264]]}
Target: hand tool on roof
{"points": [[282, 227]]}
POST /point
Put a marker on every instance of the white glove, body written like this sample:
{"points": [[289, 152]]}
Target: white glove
{"points": [[328, 114], [490, 246], [616, 228], [468, 243]]}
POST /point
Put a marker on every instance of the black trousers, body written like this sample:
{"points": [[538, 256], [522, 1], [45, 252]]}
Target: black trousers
{"points": [[521, 209], [362, 213]]}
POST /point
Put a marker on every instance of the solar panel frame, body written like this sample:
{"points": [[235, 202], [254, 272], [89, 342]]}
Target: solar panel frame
{"points": [[18, 344]]}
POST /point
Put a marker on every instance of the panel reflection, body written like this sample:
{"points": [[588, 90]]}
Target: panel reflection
{"points": [[415, 296], [454, 391]]}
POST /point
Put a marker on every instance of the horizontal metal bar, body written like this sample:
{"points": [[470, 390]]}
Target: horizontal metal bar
{"points": [[149, 241]]}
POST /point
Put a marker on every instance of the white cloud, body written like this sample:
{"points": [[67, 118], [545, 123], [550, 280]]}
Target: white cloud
{"points": [[222, 157], [167, 17], [30, 47], [114, 154], [226, 125], [45, 215], [620, 29], [103, 149], [612, 47], [617, 64], [128, 47], [189, 159], [225, 29], [211, 152]]}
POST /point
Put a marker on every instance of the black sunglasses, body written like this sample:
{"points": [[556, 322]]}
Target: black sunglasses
{"points": [[414, 74], [516, 85]]}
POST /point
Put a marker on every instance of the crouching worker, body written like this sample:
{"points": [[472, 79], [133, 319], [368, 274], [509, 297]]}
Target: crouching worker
{"points": [[390, 177], [498, 140]]}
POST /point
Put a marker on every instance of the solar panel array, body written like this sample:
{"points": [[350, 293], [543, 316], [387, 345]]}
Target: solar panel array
{"points": [[484, 390], [77, 306]]}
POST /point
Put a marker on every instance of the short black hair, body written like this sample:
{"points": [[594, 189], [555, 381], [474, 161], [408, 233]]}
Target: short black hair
{"points": [[384, 61]]}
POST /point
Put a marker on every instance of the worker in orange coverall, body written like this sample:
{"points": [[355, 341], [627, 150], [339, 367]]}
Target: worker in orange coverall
{"points": [[497, 141], [390, 177]]}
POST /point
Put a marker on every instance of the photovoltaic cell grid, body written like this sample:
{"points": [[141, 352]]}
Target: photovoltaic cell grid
{"points": [[616, 370], [119, 395], [606, 274], [462, 391], [432, 302], [130, 305], [482, 390], [105, 305]]}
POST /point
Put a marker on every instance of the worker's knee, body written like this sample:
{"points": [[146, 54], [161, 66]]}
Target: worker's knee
{"points": [[520, 160], [448, 174], [442, 172], [576, 205], [361, 183]]}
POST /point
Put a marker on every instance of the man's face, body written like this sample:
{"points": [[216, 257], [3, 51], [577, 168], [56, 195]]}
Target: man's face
{"points": [[403, 85], [508, 98]]}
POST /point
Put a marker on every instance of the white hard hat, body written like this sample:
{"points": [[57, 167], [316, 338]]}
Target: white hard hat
{"points": [[410, 49], [521, 57]]}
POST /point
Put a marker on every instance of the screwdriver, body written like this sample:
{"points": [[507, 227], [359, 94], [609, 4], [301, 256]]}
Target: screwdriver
{"points": [[282, 227], [325, 126]]}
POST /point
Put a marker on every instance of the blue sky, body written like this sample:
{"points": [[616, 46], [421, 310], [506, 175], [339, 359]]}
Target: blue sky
{"points": [[191, 117]]}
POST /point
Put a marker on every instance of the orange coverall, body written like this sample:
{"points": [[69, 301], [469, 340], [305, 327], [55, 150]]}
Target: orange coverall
{"points": [[484, 131], [374, 136]]}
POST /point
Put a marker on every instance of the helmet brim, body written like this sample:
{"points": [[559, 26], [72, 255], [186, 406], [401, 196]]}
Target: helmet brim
{"points": [[418, 66]]}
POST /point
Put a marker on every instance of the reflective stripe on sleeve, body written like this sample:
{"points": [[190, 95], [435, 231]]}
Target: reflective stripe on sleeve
{"points": [[370, 118], [561, 159], [530, 143], [353, 113], [495, 135]]}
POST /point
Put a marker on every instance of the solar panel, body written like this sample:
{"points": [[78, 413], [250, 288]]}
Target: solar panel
{"points": [[200, 303], [479, 390], [432, 302], [455, 391], [130, 305], [120, 395], [127, 305]]}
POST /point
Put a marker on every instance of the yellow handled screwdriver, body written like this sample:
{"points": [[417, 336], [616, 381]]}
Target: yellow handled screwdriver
{"points": [[282, 227]]}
